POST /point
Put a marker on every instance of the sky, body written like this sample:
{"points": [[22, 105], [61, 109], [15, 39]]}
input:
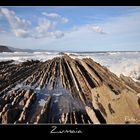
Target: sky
{"points": [[71, 28]]}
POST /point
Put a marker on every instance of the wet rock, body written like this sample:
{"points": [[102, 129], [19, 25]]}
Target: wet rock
{"points": [[17, 99], [22, 102], [28, 93], [2, 103], [44, 116], [7, 107], [30, 100], [11, 115], [26, 109], [23, 116]]}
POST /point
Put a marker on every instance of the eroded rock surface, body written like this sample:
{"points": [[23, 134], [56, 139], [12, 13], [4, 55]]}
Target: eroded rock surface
{"points": [[65, 90]]}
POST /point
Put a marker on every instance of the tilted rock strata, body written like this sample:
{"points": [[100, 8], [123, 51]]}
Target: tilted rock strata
{"points": [[65, 90]]}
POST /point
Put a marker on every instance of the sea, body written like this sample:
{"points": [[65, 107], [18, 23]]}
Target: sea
{"points": [[118, 62]]}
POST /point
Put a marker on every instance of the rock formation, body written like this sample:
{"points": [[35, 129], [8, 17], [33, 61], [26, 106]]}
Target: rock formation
{"points": [[5, 49], [67, 91]]}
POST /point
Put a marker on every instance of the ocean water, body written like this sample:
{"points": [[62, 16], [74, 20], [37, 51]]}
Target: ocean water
{"points": [[127, 63]]}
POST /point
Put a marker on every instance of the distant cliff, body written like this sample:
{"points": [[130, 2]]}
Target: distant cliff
{"points": [[5, 49], [20, 50]]}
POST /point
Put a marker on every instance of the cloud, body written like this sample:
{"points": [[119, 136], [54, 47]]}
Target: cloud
{"points": [[64, 20], [58, 34], [45, 29], [21, 33], [1, 30], [17, 25], [123, 33], [97, 29], [14, 21], [44, 25], [56, 16], [52, 15]]}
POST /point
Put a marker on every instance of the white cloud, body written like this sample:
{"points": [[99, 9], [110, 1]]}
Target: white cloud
{"points": [[56, 16], [44, 25], [45, 29], [54, 35], [52, 15], [123, 33], [64, 20], [17, 25], [96, 29], [14, 21], [20, 33], [58, 34]]}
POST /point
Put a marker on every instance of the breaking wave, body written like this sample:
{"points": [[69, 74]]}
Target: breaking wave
{"points": [[126, 63]]}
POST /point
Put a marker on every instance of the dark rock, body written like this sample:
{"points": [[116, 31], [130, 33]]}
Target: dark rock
{"points": [[11, 115], [111, 109], [4, 49], [28, 93]]}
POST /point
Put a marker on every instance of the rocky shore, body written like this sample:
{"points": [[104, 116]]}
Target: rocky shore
{"points": [[67, 91]]}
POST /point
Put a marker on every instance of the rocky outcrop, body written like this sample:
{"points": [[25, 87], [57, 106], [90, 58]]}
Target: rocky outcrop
{"points": [[43, 117], [131, 83], [5, 49], [11, 115], [67, 91]]}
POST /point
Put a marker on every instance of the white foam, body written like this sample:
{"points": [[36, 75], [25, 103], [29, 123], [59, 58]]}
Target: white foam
{"points": [[57, 94], [42, 102], [123, 63], [24, 56], [126, 63]]}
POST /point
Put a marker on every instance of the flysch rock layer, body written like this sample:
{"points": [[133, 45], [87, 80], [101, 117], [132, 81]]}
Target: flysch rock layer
{"points": [[66, 91]]}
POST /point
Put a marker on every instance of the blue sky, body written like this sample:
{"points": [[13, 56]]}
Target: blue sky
{"points": [[71, 28]]}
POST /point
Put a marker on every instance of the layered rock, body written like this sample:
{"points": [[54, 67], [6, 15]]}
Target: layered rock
{"points": [[65, 90]]}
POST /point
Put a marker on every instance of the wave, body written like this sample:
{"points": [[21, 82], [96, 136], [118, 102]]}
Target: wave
{"points": [[72, 54], [40, 53], [126, 66], [126, 63]]}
